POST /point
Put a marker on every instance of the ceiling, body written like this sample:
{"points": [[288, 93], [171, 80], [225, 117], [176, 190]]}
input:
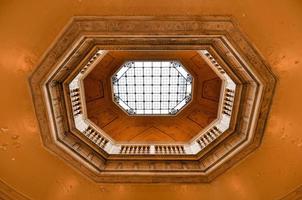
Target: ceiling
{"points": [[271, 172], [123, 128]]}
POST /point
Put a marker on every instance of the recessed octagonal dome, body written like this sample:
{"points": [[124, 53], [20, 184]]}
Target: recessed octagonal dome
{"points": [[152, 87], [145, 111]]}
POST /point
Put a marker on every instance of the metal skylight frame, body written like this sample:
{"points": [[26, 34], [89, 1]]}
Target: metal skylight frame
{"points": [[152, 87]]}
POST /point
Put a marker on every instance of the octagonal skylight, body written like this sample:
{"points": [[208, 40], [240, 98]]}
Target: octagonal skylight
{"points": [[152, 87]]}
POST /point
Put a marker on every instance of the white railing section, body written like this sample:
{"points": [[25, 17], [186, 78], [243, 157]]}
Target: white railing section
{"points": [[209, 137], [153, 149], [170, 149], [80, 123], [77, 106], [76, 101], [92, 60], [218, 69], [213, 62], [95, 137], [76, 82], [135, 149], [228, 102]]}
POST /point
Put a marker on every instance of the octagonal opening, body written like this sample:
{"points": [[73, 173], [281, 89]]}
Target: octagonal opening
{"points": [[194, 117], [75, 117], [158, 87]]}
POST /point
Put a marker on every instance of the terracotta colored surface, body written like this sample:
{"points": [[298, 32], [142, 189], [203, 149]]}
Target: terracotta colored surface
{"points": [[199, 113], [28, 28]]}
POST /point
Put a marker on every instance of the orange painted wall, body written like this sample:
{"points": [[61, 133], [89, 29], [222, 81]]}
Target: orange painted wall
{"points": [[29, 27]]}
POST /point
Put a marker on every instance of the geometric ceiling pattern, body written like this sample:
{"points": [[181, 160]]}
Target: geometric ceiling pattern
{"points": [[114, 146], [104, 113], [244, 103], [152, 87], [102, 137]]}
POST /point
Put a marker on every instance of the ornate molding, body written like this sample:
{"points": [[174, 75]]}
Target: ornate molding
{"points": [[217, 39]]}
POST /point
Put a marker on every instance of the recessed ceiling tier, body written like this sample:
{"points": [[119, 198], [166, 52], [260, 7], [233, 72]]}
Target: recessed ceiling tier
{"points": [[224, 121], [123, 127]]}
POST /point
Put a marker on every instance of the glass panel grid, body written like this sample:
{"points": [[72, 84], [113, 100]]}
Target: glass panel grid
{"points": [[152, 87]]}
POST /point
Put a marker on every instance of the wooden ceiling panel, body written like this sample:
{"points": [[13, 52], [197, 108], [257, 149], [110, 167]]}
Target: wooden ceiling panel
{"points": [[104, 117], [205, 73], [94, 89], [181, 129], [153, 135], [202, 118], [126, 128], [103, 69], [211, 89]]}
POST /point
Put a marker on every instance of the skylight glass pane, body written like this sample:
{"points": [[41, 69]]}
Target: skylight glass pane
{"points": [[152, 87]]}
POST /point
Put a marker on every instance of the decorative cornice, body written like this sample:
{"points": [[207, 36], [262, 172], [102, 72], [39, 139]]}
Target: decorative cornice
{"points": [[245, 109]]}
